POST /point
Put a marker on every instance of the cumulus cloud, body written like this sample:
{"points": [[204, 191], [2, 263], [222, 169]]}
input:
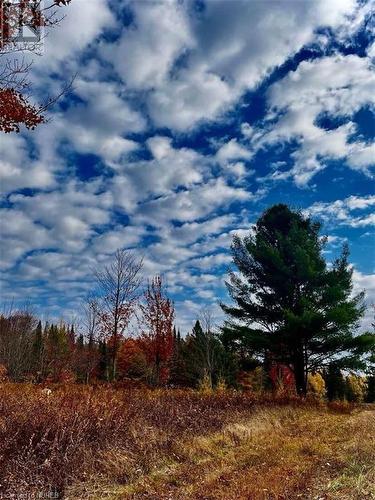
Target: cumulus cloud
{"points": [[190, 205], [68, 217], [194, 67], [83, 23], [232, 150], [336, 86], [147, 49], [18, 170], [366, 282], [168, 170], [345, 212]]}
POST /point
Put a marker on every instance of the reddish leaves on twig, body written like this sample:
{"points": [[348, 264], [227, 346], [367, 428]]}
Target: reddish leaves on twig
{"points": [[15, 110]]}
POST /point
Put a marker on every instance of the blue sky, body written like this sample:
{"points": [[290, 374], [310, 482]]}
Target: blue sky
{"points": [[187, 119]]}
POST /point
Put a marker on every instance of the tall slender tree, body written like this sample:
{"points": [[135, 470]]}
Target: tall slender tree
{"points": [[157, 329], [288, 303], [118, 288]]}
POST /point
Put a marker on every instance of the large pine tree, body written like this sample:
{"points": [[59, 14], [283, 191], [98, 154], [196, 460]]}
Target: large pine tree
{"points": [[289, 305]]}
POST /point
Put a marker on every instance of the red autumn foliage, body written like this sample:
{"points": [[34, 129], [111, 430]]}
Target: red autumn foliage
{"points": [[108, 322], [282, 377], [157, 330]]}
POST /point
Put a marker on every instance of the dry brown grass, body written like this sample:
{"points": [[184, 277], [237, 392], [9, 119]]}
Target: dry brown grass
{"points": [[101, 442], [277, 453]]}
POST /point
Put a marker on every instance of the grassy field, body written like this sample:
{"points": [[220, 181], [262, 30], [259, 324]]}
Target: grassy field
{"points": [[79, 442]]}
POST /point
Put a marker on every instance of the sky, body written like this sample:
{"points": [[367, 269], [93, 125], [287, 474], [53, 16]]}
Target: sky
{"points": [[187, 119]]}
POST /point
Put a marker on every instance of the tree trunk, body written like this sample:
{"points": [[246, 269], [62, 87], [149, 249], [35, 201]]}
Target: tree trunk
{"points": [[300, 374]]}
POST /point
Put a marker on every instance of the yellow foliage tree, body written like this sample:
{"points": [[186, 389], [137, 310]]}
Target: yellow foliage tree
{"points": [[205, 385], [316, 386], [356, 388]]}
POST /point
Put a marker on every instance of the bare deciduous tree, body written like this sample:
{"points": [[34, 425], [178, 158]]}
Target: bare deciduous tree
{"points": [[16, 340], [209, 343], [118, 287], [91, 319]]}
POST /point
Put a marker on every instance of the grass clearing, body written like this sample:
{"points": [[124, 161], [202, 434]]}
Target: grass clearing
{"points": [[106, 443]]}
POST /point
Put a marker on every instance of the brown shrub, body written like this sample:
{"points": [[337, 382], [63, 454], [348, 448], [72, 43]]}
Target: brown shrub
{"points": [[50, 437]]}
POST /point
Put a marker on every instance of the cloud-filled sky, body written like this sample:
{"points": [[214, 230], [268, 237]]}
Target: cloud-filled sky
{"points": [[187, 119]]}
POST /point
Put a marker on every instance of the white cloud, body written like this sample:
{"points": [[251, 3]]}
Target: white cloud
{"points": [[228, 48], [83, 22], [147, 50], [17, 170], [69, 216], [340, 211], [99, 125], [190, 205], [119, 237], [338, 86], [169, 170], [232, 150], [19, 234], [365, 282], [196, 96]]}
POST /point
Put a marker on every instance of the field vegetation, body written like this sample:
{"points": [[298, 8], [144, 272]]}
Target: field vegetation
{"points": [[71, 441]]}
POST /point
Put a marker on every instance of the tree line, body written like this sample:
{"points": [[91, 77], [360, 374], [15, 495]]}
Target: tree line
{"points": [[292, 324]]}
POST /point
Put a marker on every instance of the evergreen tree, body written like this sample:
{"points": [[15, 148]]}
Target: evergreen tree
{"points": [[370, 396], [80, 341], [335, 383], [288, 303], [178, 374], [206, 358], [104, 361], [57, 351], [72, 336]]}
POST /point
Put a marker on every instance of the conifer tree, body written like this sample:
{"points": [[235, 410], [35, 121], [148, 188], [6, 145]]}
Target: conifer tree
{"points": [[288, 302], [57, 350], [370, 396], [335, 383], [103, 361], [205, 356], [179, 374]]}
